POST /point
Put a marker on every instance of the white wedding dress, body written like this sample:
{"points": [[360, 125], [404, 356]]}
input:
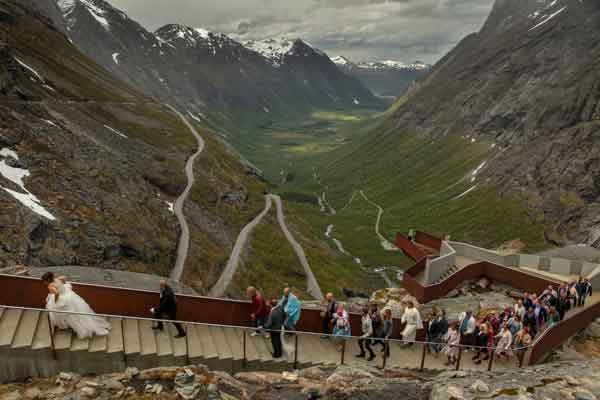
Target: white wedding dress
{"points": [[85, 326]]}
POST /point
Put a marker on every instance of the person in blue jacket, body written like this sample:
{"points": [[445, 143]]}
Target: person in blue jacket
{"points": [[292, 308]]}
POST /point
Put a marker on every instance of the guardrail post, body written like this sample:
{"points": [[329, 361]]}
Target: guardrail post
{"points": [[296, 351], [460, 351], [187, 344], [423, 357], [54, 355], [343, 351], [491, 362], [123, 338], [244, 362]]}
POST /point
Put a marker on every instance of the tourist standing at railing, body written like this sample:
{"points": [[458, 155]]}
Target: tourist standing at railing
{"points": [[520, 309], [341, 325], [467, 325], [412, 320], [541, 316], [581, 288], [259, 311], [553, 317], [503, 348], [168, 307], [527, 301], [274, 325], [573, 294], [587, 290], [482, 340], [438, 326], [375, 319], [523, 339], [367, 334], [514, 324], [563, 305], [327, 314], [292, 307], [530, 321], [386, 331], [452, 340]]}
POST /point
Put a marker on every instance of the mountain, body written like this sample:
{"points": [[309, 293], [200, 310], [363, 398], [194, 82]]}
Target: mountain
{"points": [[90, 167], [205, 71], [384, 78], [500, 140]]}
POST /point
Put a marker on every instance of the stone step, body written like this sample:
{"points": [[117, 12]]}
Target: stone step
{"points": [[131, 333], [147, 338], [78, 344], [114, 343], [235, 343], [221, 343], [98, 344], [209, 348], [163, 342], [178, 345], [63, 339], [8, 326], [195, 342], [251, 350], [42, 339], [26, 329]]}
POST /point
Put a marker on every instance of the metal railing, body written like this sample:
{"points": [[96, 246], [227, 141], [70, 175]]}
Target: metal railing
{"points": [[343, 340]]}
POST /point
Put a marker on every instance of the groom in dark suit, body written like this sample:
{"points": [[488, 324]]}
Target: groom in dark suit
{"points": [[168, 307]]}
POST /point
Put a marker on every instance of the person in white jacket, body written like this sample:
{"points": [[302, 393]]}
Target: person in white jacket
{"points": [[412, 319], [466, 328], [367, 334]]}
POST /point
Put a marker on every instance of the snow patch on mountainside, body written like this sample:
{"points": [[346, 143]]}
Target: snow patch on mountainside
{"points": [[340, 60], [548, 18], [16, 176], [274, 50], [30, 69]]}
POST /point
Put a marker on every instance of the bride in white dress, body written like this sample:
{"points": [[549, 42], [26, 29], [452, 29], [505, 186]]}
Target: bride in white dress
{"points": [[61, 297]]}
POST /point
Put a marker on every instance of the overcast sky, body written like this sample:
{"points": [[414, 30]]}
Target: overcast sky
{"points": [[362, 30]]}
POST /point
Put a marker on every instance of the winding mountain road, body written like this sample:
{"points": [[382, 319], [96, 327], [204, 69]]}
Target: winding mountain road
{"points": [[311, 282], [184, 240], [386, 244], [218, 290]]}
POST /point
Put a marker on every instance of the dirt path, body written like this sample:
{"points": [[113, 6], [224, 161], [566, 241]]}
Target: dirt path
{"points": [[184, 240], [219, 288]]}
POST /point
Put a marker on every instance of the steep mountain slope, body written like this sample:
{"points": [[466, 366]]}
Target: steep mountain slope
{"points": [[501, 140], [384, 78], [89, 166], [205, 71]]}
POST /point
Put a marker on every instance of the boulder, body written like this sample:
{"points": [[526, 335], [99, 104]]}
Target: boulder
{"points": [[479, 387]]}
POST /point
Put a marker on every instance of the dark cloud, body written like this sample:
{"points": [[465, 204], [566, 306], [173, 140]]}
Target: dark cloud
{"points": [[405, 30]]}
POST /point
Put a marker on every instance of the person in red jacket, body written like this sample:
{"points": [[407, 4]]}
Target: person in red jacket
{"points": [[259, 309]]}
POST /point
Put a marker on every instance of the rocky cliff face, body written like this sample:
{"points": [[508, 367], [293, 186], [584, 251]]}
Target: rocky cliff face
{"points": [[208, 71], [89, 166], [527, 83]]}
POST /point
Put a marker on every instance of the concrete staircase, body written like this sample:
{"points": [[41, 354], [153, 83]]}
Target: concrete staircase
{"points": [[26, 349], [26, 343], [447, 274]]}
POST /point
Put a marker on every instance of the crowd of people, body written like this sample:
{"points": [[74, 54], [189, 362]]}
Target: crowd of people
{"points": [[508, 332]]}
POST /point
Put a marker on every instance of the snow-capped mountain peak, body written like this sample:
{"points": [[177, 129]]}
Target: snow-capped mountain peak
{"points": [[96, 8], [273, 50]]}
